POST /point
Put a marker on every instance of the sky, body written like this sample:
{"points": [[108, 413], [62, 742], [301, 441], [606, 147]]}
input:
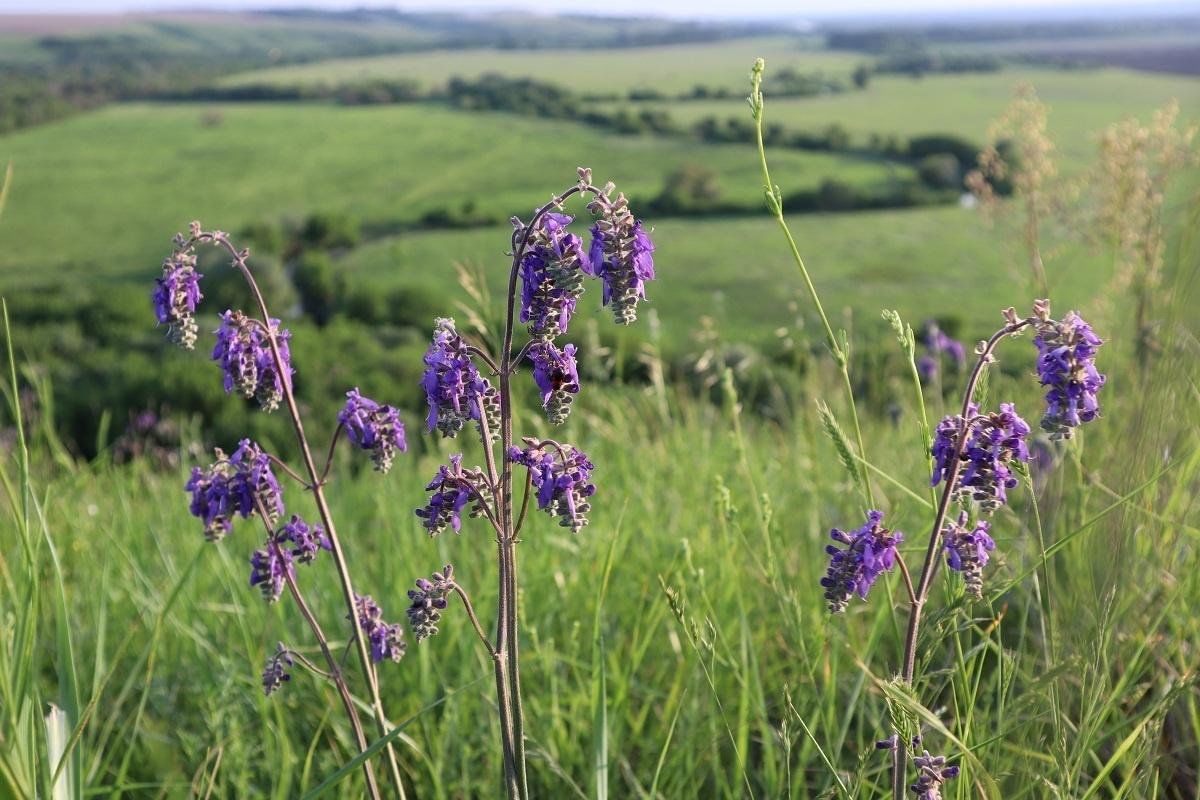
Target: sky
{"points": [[721, 9]]}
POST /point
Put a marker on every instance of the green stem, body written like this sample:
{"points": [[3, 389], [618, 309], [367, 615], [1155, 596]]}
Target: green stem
{"points": [[775, 205]]}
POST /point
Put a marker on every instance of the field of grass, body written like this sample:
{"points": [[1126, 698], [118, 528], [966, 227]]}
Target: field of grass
{"points": [[758, 692], [670, 69], [733, 270], [124, 179], [1082, 103]]}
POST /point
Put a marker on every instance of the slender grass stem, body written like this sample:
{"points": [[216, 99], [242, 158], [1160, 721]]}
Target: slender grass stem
{"points": [[775, 205]]}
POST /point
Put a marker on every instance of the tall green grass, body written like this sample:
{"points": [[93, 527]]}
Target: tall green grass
{"points": [[680, 647]]}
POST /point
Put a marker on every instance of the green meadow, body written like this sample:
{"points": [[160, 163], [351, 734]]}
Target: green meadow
{"points": [[678, 646]]}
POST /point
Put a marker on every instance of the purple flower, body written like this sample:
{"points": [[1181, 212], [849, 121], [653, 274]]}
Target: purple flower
{"points": [[870, 551], [244, 354], [385, 640], [1066, 366], [622, 255], [562, 475], [275, 674], [307, 540], [932, 772], [455, 390], [552, 271], [938, 345], [453, 488], [270, 568], [967, 551], [176, 296], [993, 442], [373, 427], [235, 486], [429, 601], [557, 377]]}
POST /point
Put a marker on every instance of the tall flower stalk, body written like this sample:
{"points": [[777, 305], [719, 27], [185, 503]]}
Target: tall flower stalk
{"points": [[838, 346], [253, 353], [551, 264], [976, 457]]}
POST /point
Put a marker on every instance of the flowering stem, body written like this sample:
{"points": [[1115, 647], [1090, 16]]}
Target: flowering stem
{"points": [[929, 566], [512, 724], [339, 558], [775, 204], [335, 672]]}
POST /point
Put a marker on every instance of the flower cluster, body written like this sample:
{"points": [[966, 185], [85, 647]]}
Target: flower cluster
{"points": [[939, 345], [270, 569], [557, 377], [932, 772], [234, 486], [176, 295], [993, 442], [1066, 366], [306, 540], [275, 674], [621, 254], [552, 272], [870, 551], [562, 476], [244, 353], [967, 551], [271, 566], [429, 601], [373, 427], [386, 640], [453, 488], [455, 390]]}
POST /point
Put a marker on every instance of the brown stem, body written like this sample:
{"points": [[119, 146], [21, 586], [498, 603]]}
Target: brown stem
{"points": [[337, 432], [917, 604], [339, 558]]}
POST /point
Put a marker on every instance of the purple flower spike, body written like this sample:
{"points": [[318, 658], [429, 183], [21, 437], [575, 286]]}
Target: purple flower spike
{"points": [[374, 428], [967, 551], [453, 488], [235, 486], [557, 377], [993, 442], [937, 347], [429, 601], [562, 475], [552, 271], [176, 296], [622, 255], [1066, 365], [455, 390], [269, 569], [275, 674], [386, 640], [932, 772], [244, 354], [870, 551]]}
